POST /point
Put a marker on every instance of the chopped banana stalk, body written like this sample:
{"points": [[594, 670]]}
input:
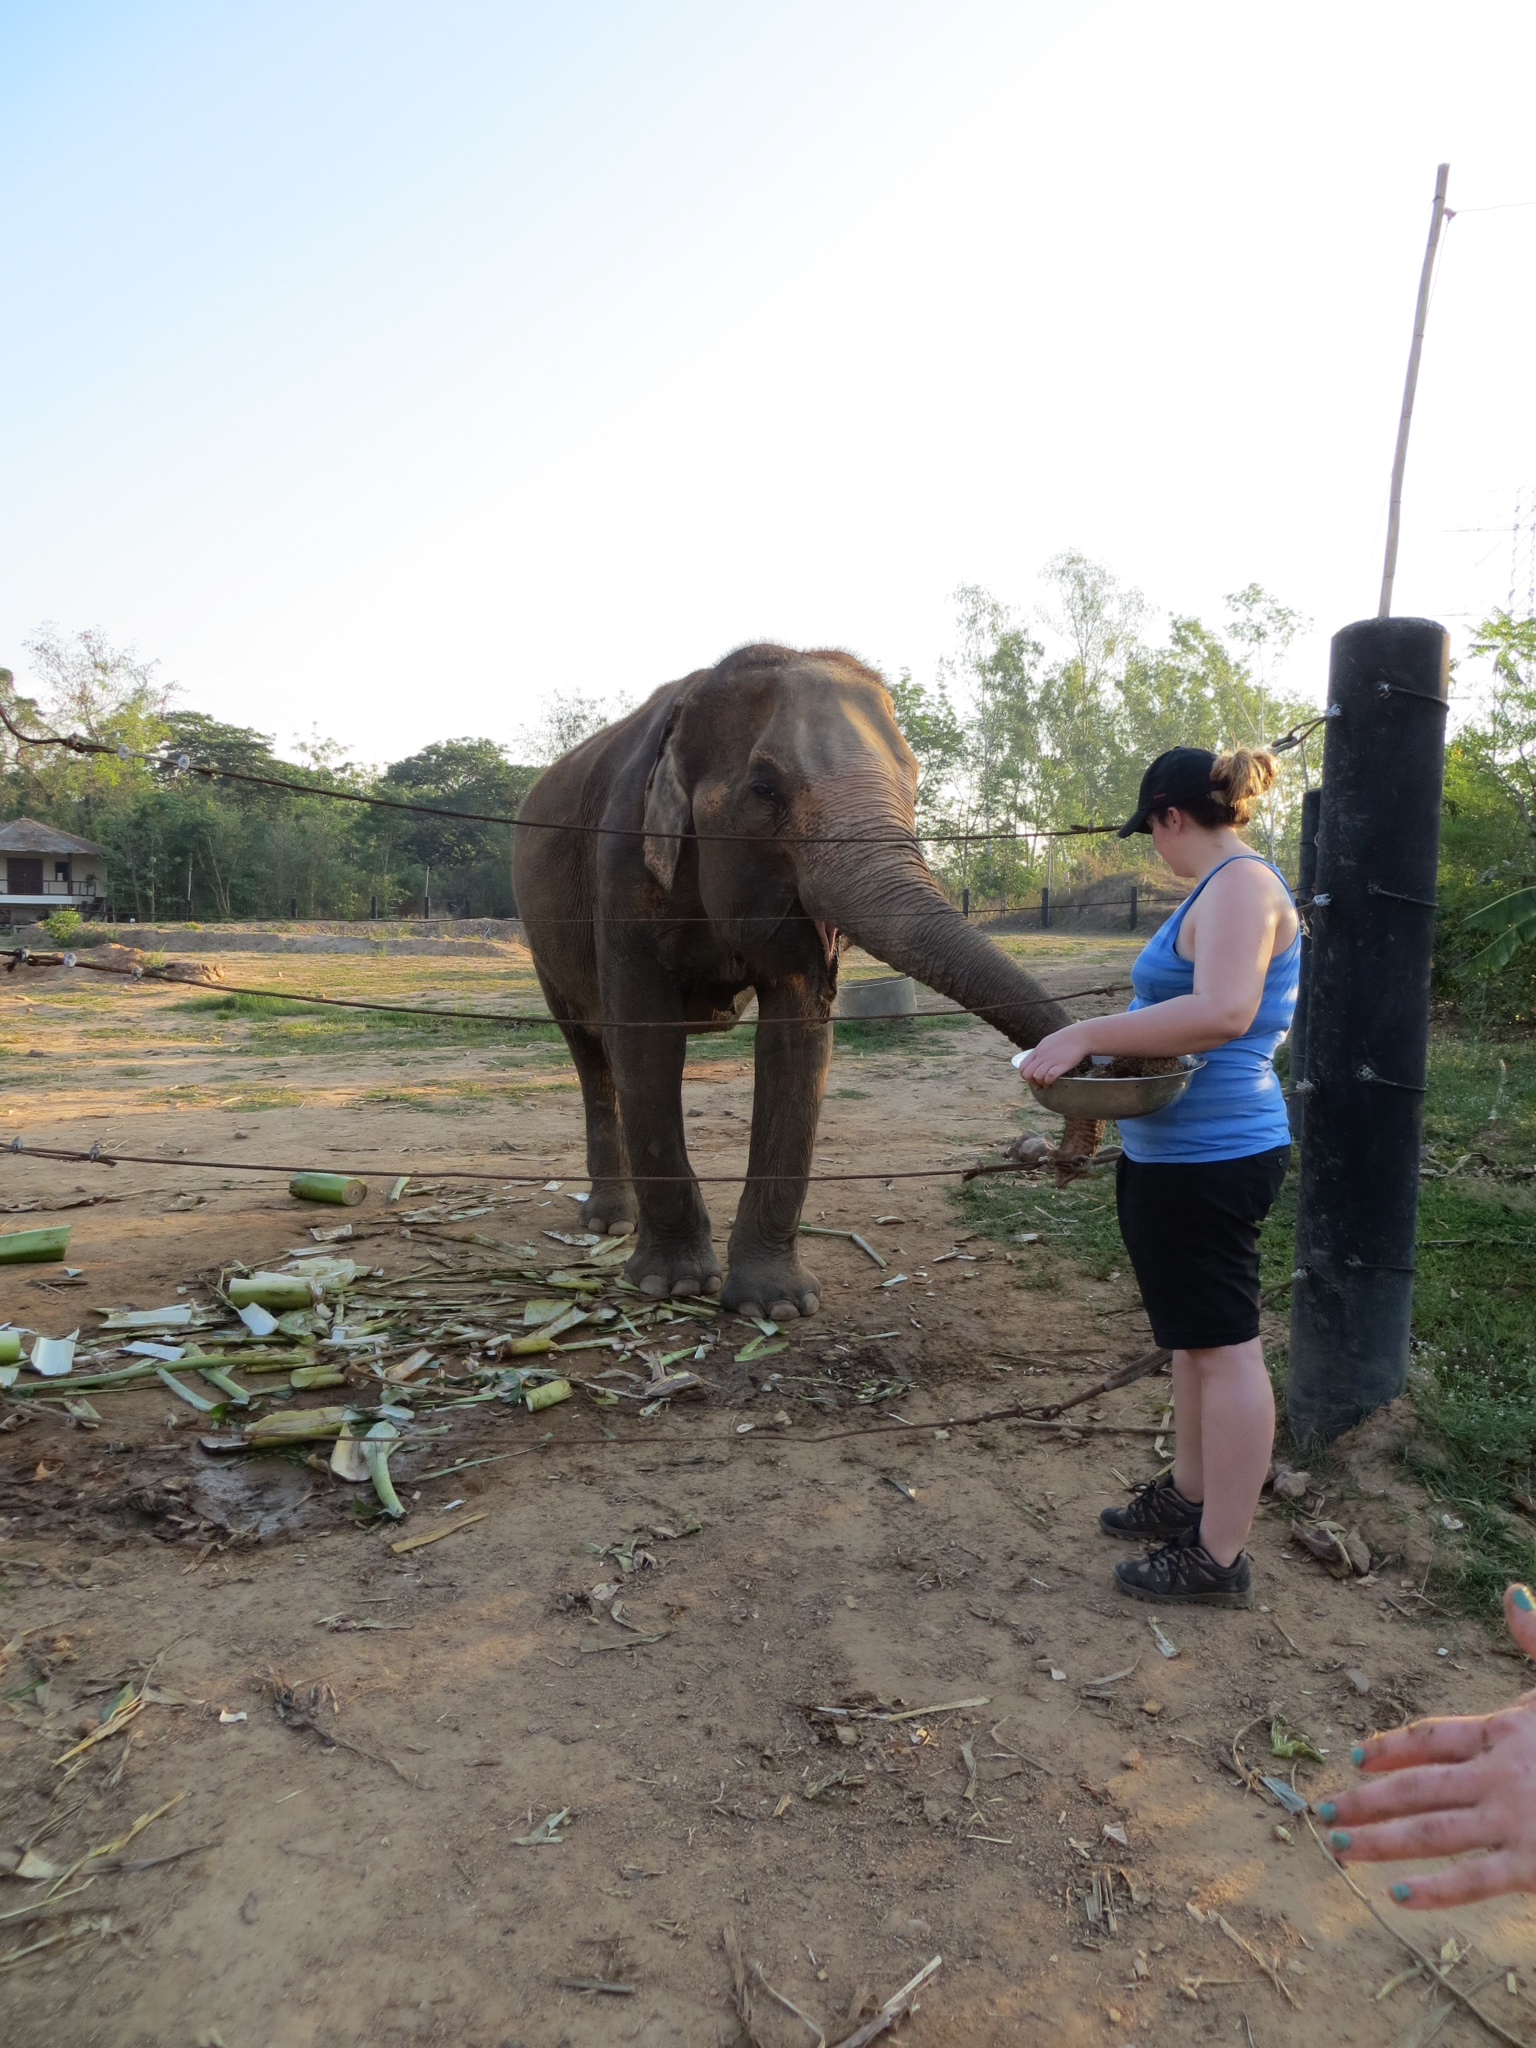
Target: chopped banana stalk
{"points": [[33, 1247], [376, 1449], [339, 1188]]}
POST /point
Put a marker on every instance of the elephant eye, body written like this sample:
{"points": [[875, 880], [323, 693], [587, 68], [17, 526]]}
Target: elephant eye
{"points": [[764, 790]]}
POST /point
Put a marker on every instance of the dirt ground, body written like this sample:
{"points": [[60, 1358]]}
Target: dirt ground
{"points": [[1070, 1838]]}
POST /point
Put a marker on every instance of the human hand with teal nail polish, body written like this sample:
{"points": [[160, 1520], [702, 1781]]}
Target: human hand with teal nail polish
{"points": [[1447, 1786]]}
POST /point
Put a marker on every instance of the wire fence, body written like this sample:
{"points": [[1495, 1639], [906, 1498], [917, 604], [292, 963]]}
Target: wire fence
{"points": [[164, 761], [533, 1018], [533, 1176], [182, 763], [97, 1155]]}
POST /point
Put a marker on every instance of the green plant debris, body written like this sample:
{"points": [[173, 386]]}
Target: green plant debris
{"points": [[376, 1449], [1290, 1743], [33, 1247]]}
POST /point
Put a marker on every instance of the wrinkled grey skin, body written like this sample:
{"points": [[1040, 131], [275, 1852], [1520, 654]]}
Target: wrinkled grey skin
{"points": [[651, 925]]}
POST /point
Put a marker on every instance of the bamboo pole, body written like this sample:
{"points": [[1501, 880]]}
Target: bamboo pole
{"points": [[1405, 420]]}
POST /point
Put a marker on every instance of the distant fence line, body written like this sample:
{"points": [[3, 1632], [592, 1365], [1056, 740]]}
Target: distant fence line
{"points": [[1129, 906]]}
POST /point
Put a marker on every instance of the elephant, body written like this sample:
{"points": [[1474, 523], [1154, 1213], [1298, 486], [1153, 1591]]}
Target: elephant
{"points": [[726, 838]]}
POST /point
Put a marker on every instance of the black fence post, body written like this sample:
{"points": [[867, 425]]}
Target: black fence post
{"points": [[1135, 905], [293, 907], [1366, 1037], [1045, 908], [965, 902], [373, 906], [1306, 882]]}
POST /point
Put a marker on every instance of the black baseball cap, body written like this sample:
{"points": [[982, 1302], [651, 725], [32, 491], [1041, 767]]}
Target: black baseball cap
{"points": [[1175, 780]]}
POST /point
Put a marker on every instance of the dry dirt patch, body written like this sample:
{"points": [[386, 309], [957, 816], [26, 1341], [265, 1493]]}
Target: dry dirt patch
{"points": [[1049, 1843]]}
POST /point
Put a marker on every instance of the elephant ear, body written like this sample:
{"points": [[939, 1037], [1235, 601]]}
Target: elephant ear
{"points": [[668, 810]]}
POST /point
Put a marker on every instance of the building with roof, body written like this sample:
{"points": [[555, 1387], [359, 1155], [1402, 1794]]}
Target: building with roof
{"points": [[43, 869]]}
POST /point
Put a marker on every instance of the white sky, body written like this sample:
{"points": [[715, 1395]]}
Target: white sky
{"points": [[385, 367]]}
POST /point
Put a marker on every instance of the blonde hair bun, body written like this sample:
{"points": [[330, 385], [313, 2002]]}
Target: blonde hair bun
{"points": [[1240, 778]]}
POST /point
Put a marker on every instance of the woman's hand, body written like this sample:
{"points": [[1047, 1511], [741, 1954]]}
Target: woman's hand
{"points": [[1447, 1786], [1056, 1055]]}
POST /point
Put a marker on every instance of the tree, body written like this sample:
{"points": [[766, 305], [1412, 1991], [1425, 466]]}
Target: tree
{"points": [[932, 729], [1264, 626], [1506, 735], [470, 863], [103, 691], [1099, 616], [1489, 831], [1014, 748], [568, 718]]}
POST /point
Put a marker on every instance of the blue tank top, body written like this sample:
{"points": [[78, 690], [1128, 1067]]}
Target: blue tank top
{"points": [[1234, 1106]]}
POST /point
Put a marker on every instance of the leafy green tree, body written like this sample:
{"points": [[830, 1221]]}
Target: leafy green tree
{"points": [[470, 864], [932, 729], [1506, 735], [1485, 946], [1011, 743]]}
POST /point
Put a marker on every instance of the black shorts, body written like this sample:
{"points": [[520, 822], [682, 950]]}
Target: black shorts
{"points": [[1192, 1233]]}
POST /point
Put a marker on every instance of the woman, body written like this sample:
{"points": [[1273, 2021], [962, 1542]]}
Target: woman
{"points": [[1197, 1179]]}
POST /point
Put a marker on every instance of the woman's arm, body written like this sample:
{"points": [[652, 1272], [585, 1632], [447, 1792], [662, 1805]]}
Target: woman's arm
{"points": [[1235, 941]]}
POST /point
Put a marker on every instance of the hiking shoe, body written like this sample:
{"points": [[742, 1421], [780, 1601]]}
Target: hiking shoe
{"points": [[1156, 1510], [1188, 1574]]}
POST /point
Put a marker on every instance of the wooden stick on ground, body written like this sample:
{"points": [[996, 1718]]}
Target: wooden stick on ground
{"points": [[1122, 1376], [895, 2008], [1253, 1956], [1425, 1962], [740, 1990]]}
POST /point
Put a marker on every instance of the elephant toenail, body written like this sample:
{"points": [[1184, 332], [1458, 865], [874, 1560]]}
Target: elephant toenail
{"points": [[653, 1285], [712, 1284], [812, 1303], [784, 1312]]}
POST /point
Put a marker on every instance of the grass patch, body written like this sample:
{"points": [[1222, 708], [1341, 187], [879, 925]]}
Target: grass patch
{"points": [[299, 1026], [925, 1035], [1078, 1219], [264, 1007], [1473, 1378]]}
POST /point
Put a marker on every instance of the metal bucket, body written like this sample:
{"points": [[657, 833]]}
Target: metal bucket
{"points": [[888, 996]]}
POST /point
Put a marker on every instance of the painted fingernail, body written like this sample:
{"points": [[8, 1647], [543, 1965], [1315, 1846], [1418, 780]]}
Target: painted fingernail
{"points": [[1326, 1810], [1339, 1839], [1357, 1755], [1402, 1893], [1523, 1600]]}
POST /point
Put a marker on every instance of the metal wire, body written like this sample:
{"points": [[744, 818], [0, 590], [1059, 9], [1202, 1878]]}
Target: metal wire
{"points": [[97, 1157], [1299, 734], [75, 743], [182, 764], [610, 1023]]}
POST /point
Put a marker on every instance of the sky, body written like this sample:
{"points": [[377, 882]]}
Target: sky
{"points": [[385, 369]]}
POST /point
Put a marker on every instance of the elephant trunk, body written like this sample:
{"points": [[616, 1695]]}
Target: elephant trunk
{"points": [[885, 899], [888, 902]]}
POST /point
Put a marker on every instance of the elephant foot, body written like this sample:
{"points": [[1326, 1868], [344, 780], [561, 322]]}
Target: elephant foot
{"points": [[764, 1285], [610, 1208], [660, 1270]]}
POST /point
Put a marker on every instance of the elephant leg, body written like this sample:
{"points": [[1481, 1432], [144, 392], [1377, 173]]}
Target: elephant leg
{"points": [[765, 1276], [674, 1254], [610, 1207]]}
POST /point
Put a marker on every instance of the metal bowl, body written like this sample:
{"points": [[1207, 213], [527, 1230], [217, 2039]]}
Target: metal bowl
{"points": [[1115, 1097]]}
